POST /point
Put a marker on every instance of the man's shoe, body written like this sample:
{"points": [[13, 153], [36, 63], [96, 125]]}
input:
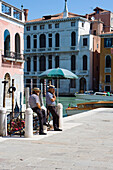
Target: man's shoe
{"points": [[45, 124], [57, 129], [42, 133]]}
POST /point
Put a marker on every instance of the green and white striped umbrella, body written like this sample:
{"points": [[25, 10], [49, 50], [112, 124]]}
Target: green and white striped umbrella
{"points": [[57, 73]]}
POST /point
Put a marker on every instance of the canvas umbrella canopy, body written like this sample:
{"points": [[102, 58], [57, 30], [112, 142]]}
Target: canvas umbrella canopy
{"points": [[57, 73]]}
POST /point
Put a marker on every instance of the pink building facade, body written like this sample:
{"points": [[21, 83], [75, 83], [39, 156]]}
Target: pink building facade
{"points": [[11, 51]]}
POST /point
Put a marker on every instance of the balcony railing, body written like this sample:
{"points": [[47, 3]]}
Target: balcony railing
{"points": [[12, 55], [107, 70]]}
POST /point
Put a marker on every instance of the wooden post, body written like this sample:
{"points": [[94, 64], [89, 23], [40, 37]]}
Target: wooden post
{"points": [[13, 98], [5, 82]]}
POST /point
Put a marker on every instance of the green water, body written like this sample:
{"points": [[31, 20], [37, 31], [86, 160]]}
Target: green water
{"points": [[66, 101]]}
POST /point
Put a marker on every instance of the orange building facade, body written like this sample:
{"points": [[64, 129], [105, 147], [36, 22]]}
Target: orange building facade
{"points": [[106, 63]]}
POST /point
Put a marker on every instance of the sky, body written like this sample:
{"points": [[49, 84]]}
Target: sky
{"points": [[39, 8]]}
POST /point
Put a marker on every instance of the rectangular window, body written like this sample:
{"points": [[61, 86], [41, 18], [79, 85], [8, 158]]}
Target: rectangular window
{"points": [[107, 79], [41, 27], [50, 26], [34, 27], [94, 32], [73, 83], [28, 28], [50, 61], [107, 88], [82, 24], [50, 40], [84, 41], [108, 42], [72, 24], [56, 25]]}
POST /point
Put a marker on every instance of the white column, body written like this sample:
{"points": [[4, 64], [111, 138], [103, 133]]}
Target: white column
{"points": [[37, 64], [60, 113], [31, 63], [31, 41], [23, 17], [46, 62], [12, 11], [53, 40], [3, 122], [28, 123], [53, 61], [47, 41]]}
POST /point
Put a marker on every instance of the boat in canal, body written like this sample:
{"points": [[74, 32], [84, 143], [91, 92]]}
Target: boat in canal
{"points": [[103, 96], [82, 107]]}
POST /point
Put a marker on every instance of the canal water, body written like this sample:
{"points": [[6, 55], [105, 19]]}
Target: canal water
{"points": [[69, 101]]}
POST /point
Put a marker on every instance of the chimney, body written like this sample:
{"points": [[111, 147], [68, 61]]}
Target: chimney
{"points": [[87, 16], [65, 13], [26, 14]]}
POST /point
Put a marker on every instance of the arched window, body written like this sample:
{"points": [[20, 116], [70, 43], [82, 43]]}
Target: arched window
{"points": [[6, 43], [34, 41], [7, 78], [84, 62], [28, 63], [57, 40], [73, 62], [108, 61], [73, 39], [17, 43], [56, 61], [28, 42], [35, 63], [42, 63], [42, 41]]}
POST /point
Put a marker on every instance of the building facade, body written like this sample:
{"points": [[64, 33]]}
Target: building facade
{"points": [[61, 40], [11, 51], [106, 62]]}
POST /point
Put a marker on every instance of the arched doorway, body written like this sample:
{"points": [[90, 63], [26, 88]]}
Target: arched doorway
{"points": [[82, 85]]}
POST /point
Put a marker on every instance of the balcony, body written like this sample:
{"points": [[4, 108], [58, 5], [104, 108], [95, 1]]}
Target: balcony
{"points": [[107, 70], [13, 56], [82, 72], [10, 11]]}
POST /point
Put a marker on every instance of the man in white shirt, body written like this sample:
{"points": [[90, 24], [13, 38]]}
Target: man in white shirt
{"points": [[51, 105]]}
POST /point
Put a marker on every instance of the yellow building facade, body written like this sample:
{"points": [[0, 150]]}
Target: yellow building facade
{"points": [[106, 63]]}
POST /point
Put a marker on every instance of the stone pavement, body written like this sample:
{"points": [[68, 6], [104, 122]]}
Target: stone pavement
{"points": [[86, 143]]}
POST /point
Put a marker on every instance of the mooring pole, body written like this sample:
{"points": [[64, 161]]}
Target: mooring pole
{"points": [[4, 82], [13, 98]]}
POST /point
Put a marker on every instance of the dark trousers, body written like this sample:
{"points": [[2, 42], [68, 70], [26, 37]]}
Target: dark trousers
{"points": [[42, 117], [55, 115]]}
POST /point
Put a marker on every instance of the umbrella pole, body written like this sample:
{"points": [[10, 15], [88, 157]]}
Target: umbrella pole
{"points": [[57, 91]]}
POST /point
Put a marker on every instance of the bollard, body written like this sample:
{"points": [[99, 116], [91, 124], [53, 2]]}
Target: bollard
{"points": [[3, 122], [60, 113], [28, 123]]}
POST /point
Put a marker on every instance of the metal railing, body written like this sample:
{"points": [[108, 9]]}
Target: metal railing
{"points": [[13, 55]]}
